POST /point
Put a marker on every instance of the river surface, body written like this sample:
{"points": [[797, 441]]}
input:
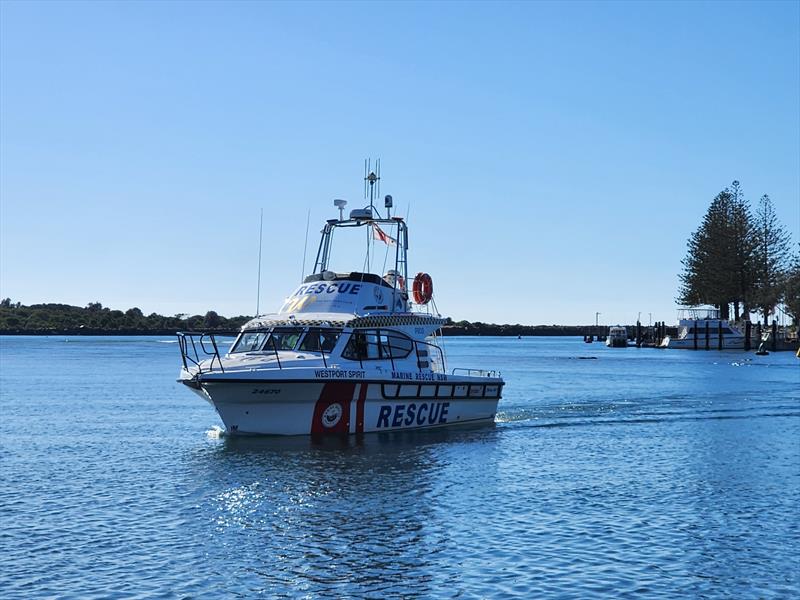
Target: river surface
{"points": [[609, 472]]}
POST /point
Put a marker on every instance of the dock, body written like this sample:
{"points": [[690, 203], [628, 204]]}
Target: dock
{"points": [[771, 338]]}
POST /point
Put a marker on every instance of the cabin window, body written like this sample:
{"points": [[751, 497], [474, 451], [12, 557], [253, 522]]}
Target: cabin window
{"points": [[356, 348], [283, 338], [249, 342], [395, 345], [317, 340], [374, 344], [363, 345], [712, 330]]}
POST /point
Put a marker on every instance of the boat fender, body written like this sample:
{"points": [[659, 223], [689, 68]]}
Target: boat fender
{"points": [[422, 288]]}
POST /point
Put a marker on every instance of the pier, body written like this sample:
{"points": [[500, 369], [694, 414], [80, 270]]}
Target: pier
{"points": [[640, 336], [705, 335]]}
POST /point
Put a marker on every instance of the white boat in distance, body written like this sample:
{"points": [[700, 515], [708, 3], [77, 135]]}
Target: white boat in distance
{"points": [[345, 354], [699, 328], [617, 337]]}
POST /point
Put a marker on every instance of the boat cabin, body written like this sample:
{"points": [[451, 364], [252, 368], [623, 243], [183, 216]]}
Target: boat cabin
{"points": [[369, 341]]}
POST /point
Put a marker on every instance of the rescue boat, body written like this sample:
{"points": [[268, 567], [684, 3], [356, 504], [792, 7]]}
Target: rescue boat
{"points": [[347, 352]]}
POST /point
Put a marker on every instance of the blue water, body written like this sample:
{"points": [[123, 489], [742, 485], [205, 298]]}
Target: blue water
{"points": [[637, 473]]}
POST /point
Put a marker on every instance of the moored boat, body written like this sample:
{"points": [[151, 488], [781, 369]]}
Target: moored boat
{"points": [[700, 328], [347, 352], [617, 337]]}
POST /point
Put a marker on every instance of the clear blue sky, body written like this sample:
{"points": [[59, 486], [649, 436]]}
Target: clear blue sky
{"points": [[555, 156]]}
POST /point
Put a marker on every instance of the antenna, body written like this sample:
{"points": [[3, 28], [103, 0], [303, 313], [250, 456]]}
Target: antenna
{"points": [[260, 238], [305, 244], [370, 177]]}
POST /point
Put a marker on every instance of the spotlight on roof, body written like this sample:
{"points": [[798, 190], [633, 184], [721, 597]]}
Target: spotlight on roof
{"points": [[340, 204]]}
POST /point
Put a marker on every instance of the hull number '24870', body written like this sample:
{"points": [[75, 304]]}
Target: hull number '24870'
{"points": [[433, 413]]}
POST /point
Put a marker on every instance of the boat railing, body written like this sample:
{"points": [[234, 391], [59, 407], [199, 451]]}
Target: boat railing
{"points": [[197, 347], [476, 372]]}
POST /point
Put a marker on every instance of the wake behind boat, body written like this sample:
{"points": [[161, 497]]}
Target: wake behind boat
{"points": [[348, 352]]}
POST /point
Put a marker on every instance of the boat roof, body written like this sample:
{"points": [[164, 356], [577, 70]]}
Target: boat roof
{"points": [[686, 313], [342, 320], [353, 276]]}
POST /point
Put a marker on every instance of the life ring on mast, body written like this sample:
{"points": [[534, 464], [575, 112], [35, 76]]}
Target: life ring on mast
{"points": [[422, 288]]}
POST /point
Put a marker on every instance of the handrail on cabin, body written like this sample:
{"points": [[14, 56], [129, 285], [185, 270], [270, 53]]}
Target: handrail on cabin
{"points": [[477, 372]]}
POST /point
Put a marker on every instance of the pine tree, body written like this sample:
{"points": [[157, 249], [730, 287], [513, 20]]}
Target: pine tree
{"points": [[708, 276], [719, 268], [772, 257]]}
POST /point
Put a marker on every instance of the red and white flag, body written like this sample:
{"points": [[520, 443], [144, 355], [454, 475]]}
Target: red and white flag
{"points": [[380, 234]]}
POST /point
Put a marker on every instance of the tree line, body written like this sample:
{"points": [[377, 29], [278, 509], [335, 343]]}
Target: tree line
{"points": [[41, 318], [741, 258], [16, 318]]}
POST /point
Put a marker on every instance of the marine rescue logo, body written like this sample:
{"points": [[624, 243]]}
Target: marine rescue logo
{"points": [[332, 415]]}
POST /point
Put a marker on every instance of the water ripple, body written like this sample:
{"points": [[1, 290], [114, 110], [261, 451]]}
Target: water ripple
{"points": [[640, 473]]}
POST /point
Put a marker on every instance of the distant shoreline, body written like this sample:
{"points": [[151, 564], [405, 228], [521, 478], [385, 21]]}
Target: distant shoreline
{"points": [[95, 319], [447, 330]]}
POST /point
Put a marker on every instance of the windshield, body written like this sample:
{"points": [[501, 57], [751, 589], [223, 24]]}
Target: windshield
{"points": [[249, 342], [280, 338]]}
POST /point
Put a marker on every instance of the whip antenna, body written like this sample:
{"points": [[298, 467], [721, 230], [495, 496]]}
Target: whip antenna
{"points": [[260, 238], [370, 179], [305, 245]]}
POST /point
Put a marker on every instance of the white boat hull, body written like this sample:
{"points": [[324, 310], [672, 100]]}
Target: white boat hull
{"points": [[275, 407], [728, 343]]}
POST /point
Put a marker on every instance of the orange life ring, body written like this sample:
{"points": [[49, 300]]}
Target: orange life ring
{"points": [[422, 288]]}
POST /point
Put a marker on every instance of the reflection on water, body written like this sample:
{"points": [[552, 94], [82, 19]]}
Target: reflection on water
{"points": [[645, 473], [358, 510]]}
